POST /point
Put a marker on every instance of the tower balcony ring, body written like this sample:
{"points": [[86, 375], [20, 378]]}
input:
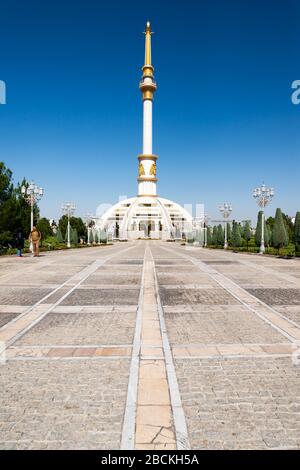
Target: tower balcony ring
{"points": [[147, 86]]}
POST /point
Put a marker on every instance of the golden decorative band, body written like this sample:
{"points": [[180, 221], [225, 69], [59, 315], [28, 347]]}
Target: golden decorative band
{"points": [[147, 179], [148, 71], [147, 157]]}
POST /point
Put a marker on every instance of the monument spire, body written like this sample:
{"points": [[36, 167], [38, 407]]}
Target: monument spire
{"points": [[148, 33], [147, 161]]}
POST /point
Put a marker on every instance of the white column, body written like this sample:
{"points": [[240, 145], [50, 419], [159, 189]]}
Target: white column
{"points": [[147, 127]]}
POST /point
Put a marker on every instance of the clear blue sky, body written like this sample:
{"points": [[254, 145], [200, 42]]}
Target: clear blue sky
{"points": [[223, 117]]}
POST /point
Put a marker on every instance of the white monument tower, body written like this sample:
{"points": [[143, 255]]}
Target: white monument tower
{"points": [[146, 215], [147, 161]]}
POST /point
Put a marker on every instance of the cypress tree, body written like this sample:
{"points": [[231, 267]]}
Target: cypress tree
{"points": [[74, 236], [214, 235], [267, 235], [59, 236], [91, 237], [280, 236], [297, 231], [236, 236], [208, 236], [220, 235], [229, 233], [247, 233]]}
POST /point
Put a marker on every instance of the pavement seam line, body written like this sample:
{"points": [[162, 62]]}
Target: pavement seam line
{"points": [[182, 439], [129, 422]]}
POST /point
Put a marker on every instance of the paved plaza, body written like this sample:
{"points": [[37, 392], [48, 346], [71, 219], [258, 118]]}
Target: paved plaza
{"points": [[149, 345]]}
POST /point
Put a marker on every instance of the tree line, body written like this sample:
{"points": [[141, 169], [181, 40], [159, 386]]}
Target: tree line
{"points": [[15, 215], [280, 233]]}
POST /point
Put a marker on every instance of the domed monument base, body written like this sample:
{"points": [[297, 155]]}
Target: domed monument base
{"points": [[150, 217]]}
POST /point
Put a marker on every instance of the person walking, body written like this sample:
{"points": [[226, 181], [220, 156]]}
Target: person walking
{"points": [[35, 237], [19, 242]]}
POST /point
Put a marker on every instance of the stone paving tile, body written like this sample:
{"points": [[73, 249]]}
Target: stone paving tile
{"points": [[6, 318], [221, 262], [181, 269], [42, 278], [277, 296], [241, 403], [165, 278], [219, 326], [81, 328], [112, 279], [292, 312], [67, 351], [195, 296], [102, 296], [21, 296], [125, 261], [78, 404], [173, 262], [111, 270]]}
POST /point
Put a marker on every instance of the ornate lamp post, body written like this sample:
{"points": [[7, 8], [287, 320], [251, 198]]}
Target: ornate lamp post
{"points": [[68, 208], [88, 220], [263, 195], [32, 194], [225, 209]]}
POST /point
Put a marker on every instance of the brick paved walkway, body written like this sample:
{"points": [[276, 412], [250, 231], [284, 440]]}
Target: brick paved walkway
{"points": [[149, 345]]}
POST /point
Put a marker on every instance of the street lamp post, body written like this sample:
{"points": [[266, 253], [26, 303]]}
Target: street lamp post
{"points": [[225, 209], [68, 208], [206, 220], [32, 194], [88, 220], [263, 195]]}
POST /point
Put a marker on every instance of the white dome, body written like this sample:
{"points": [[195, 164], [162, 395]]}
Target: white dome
{"points": [[145, 217]]}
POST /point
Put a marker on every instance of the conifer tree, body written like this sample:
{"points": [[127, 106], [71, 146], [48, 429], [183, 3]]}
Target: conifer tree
{"points": [[236, 236], [209, 236], [74, 236], [91, 237], [267, 235], [220, 235], [214, 235], [229, 233], [280, 236], [59, 236], [247, 233]]}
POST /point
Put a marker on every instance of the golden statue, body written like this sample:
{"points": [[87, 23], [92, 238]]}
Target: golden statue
{"points": [[153, 169], [141, 169]]}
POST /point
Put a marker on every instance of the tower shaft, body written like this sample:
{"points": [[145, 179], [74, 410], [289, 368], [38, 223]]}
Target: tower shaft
{"points": [[147, 161]]}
